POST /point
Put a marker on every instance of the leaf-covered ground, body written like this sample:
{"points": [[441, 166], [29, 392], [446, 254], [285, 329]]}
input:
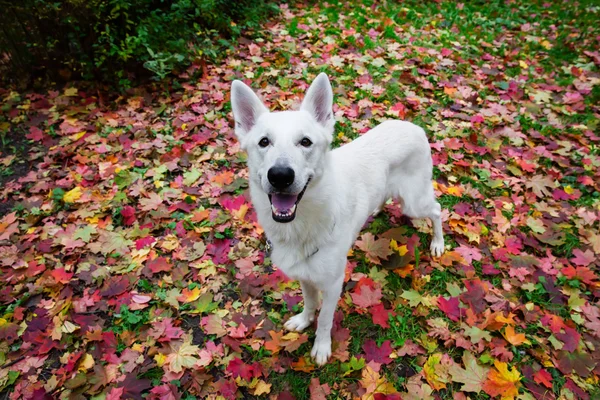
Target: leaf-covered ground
{"points": [[132, 265]]}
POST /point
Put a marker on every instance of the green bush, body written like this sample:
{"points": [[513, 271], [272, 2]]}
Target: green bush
{"points": [[112, 40]]}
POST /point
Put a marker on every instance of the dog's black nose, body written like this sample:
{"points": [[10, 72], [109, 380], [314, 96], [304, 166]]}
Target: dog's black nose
{"points": [[281, 177]]}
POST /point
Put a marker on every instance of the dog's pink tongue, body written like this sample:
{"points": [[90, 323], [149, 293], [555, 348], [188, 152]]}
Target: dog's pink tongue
{"points": [[283, 202]]}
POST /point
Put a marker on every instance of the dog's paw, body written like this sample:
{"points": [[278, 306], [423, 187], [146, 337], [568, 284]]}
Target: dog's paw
{"points": [[299, 322], [437, 247], [321, 351]]}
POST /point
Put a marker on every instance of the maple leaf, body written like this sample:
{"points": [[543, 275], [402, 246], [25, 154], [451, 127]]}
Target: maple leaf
{"points": [[502, 381], [450, 307], [237, 368], [303, 365], [318, 391], [380, 315], [8, 330], [472, 376], [184, 356], [366, 297], [262, 387], [415, 298], [84, 233], [516, 339], [436, 370], [579, 362], [111, 242], [379, 355], [375, 249], [374, 383], [151, 203], [543, 377], [583, 259], [160, 264], [166, 392], [128, 214], [540, 184]]}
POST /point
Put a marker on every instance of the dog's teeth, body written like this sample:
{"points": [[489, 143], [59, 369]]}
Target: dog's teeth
{"points": [[293, 209]]}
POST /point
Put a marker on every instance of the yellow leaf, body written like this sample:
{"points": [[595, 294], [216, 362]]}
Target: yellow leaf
{"points": [[436, 376], [138, 347], [72, 195], [455, 191], [523, 64], [401, 250], [262, 387], [187, 296], [87, 363], [75, 137], [160, 359], [71, 91], [546, 44]]}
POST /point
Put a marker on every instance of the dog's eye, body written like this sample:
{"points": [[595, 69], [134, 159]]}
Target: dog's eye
{"points": [[264, 142], [306, 142]]}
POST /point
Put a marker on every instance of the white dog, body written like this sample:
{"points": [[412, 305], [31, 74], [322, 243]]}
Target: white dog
{"points": [[312, 202]]}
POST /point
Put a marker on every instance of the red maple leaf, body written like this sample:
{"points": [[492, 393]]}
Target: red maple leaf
{"points": [[366, 296], [159, 264], [543, 377], [62, 276], [474, 296], [450, 307], [379, 355], [128, 214], [380, 315], [143, 242], [237, 368]]}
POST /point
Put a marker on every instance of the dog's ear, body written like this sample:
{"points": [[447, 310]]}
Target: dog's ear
{"points": [[246, 107], [319, 100]]}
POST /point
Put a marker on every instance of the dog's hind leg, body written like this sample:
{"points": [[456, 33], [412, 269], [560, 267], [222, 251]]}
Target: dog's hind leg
{"points": [[321, 350], [311, 298], [421, 203]]}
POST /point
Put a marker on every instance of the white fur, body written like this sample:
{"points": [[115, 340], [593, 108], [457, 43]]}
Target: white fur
{"points": [[348, 184]]}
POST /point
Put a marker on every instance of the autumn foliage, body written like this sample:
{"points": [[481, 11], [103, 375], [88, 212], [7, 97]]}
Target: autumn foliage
{"points": [[132, 265]]}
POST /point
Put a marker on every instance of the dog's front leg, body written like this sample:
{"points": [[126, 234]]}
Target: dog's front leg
{"points": [[300, 321], [321, 350]]}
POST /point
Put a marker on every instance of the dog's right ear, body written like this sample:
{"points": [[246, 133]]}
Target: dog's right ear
{"points": [[319, 101], [246, 107]]}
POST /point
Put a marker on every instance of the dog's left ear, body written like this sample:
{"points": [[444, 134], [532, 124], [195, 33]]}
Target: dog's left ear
{"points": [[319, 100]]}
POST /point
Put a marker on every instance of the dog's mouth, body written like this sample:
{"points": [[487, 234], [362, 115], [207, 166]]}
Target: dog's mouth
{"points": [[283, 205]]}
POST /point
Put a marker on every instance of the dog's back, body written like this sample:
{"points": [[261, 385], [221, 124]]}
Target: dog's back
{"points": [[393, 160]]}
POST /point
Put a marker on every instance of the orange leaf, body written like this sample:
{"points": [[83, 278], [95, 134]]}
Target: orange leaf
{"points": [[514, 338], [303, 365], [223, 179], [502, 381], [450, 257], [404, 271], [187, 296]]}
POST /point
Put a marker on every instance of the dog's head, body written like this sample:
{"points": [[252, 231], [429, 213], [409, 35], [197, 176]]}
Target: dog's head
{"points": [[285, 149]]}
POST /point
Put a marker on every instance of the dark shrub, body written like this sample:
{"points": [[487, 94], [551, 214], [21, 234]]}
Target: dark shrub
{"points": [[109, 40]]}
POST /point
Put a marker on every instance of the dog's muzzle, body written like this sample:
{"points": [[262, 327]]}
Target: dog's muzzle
{"points": [[283, 205]]}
